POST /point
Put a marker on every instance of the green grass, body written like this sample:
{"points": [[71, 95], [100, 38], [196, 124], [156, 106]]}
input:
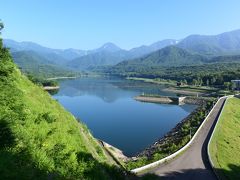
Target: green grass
{"points": [[39, 139], [225, 144]]}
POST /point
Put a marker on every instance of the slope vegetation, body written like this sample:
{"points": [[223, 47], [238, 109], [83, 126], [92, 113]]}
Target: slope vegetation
{"points": [[224, 147], [39, 139]]}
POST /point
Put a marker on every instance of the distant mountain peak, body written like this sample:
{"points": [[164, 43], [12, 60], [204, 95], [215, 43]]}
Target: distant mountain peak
{"points": [[110, 47], [161, 44]]}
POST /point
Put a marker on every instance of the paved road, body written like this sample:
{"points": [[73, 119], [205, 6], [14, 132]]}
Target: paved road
{"points": [[193, 163]]}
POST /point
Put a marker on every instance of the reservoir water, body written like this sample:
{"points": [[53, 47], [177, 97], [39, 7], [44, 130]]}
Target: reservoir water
{"points": [[107, 106]]}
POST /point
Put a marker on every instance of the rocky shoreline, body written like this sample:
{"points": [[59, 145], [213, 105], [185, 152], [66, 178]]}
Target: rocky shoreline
{"points": [[175, 136]]}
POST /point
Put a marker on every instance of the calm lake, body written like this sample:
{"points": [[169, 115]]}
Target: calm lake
{"points": [[107, 106]]}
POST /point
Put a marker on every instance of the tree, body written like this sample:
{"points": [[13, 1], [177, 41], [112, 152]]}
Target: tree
{"points": [[185, 82], [207, 82], [227, 85], [1, 26], [213, 80], [233, 86], [200, 82], [194, 82]]}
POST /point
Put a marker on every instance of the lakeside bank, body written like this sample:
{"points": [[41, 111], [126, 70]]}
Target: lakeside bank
{"points": [[176, 138], [172, 86]]}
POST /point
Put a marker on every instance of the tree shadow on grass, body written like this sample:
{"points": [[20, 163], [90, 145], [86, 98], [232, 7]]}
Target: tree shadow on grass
{"points": [[17, 163], [6, 136], [21, 166]]}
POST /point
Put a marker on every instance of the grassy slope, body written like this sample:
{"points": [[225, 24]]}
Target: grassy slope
{"points": [[39, 139], [225, 145]]}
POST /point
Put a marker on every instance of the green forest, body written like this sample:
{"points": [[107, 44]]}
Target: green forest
{"points": [[212, 74]]}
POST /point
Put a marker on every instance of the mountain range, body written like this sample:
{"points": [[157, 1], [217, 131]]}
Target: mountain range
{"points": [[193, 49], [107, 54], [222, 44]]}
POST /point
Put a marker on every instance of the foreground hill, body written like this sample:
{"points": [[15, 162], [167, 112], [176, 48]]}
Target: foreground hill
{"points": [[41, 140]]}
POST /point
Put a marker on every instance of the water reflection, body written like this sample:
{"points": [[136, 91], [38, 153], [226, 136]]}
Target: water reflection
{"points": [[107, 107], [108, 89]]}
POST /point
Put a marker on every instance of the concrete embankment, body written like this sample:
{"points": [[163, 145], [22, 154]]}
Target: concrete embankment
{"points": [[115, 153], [165, 100], [170, 100]]}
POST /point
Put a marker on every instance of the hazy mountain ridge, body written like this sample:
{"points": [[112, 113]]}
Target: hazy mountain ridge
{"points": [[227, 43], [97, 59], [56, 55], [107, 54], [142, 50]]}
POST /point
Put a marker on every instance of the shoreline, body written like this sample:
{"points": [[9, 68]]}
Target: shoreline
{"points": [[171, 83], [113, 151], [172, 136], [172, 87]]}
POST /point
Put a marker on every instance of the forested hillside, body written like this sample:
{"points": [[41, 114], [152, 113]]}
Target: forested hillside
{"points": [[168, 56], [32, 63]]}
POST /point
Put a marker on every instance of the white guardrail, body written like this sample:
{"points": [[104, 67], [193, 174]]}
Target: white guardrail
{"points": [[209, 142], [156, 163]]}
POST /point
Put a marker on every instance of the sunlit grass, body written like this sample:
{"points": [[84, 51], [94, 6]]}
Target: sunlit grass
{"points": [[225, 145]]}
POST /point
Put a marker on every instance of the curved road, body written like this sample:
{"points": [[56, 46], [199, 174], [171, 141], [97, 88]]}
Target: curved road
{"points": [[193, 163]]}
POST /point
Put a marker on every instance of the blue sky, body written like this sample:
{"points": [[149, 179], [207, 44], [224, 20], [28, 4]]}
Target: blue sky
{"points": [[87, 24]]}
